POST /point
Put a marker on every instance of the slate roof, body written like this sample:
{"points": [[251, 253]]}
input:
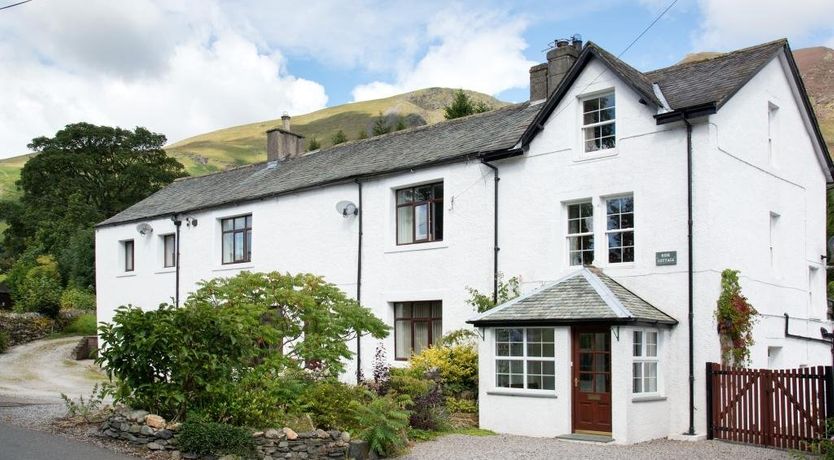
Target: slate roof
{"points": [[447, 141], [586, 295]]}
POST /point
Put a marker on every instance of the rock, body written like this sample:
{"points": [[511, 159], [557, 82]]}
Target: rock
{"points": [[176, 455], [146, 430], [164, 434], [301, 424], [283, 444], [322, 434], [271, 433], [155, 446], [358, 449], [174, 426], [345, 436], [155, 421], [257, 434], [135, 428], [137, 415], [229, 457], [190, 456], [291, 434]]}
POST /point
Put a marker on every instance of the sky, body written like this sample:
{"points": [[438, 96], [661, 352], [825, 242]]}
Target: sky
{"points": [[184, 67]]}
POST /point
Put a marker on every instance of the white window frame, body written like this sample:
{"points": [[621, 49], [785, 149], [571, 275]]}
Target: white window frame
{"points": [[524, 359], [569, 236], [584, 126], [124, 258], [620, 230], [642, 359], [163, 239]]}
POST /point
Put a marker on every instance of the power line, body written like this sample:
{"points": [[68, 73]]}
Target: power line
{"points": [[14, 4]]}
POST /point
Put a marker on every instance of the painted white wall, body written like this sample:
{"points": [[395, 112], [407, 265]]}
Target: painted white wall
{"points": [[736, 188]]}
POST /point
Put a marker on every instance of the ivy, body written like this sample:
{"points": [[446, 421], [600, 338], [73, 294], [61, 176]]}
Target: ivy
{"points": [[736, 318]]}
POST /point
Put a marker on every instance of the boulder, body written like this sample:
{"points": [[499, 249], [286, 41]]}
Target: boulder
{"points": [[271, 433], [146, 430], [164, 434], [137, 415], [155, 421], [291, 434], [155, 446]]}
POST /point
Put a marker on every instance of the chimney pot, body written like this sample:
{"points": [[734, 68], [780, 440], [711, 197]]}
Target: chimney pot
{"points": [[283, 144], [285, 120], [545, 78]]}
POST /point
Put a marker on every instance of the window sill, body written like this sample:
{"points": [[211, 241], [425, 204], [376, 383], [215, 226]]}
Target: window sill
{"points": [[621, 264], [165, 270], [647, 398], [587, 156], [126, 275], [229, 267], [522, 393], [417, 247]]}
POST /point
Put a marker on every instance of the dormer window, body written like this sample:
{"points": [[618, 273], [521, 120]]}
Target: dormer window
{"points": [[598, 122]]}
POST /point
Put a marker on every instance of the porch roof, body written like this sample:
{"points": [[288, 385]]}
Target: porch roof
{"points": [[584, 296]]}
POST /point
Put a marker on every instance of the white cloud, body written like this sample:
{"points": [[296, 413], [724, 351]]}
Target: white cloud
{"points": [[477, 50], [737, 23], [178, 68]]}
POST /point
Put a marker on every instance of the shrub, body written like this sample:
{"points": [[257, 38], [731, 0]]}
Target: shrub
{"points": [[428, 411], [457, 366], [466, 406], [383, 423], [326, 402], [78, 299], [40, 290], [202, 437], [89, 409], [736, 318], [507, 290], [4, 341], [83, 325]]}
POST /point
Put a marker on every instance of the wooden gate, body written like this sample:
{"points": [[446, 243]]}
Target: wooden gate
{"points": [[780, 408]]}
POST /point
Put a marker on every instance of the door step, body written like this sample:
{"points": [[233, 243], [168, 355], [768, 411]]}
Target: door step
{"points": [[586, 437]]}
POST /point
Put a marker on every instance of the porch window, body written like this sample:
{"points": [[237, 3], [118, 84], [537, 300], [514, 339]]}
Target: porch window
{"points": [[525, 358], [581, 233], [620, 229], [645, 361], [237, 239], [598, 122], [420, 214], [127, 247], [417, 325], [169, 250]]}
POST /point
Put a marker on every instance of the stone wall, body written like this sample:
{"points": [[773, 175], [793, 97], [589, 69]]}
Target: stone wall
{"points": [[141, 428], [27, 327]]}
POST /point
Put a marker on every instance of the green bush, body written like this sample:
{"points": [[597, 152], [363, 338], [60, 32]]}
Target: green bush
{"points": [[202, 437], [326, 402], [383, 423], [467, 406], [40, 290], [83, 325], [4, 341], [78, 299], [456, 364]]}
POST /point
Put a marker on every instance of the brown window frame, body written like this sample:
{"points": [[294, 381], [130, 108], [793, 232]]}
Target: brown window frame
{"points": [[247, 235], [412, 319], [431, 231], [165, 243], [129, 244]]}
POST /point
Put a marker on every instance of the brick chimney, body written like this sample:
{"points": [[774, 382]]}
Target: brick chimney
{"points": [[545, 78], [283, 144]]}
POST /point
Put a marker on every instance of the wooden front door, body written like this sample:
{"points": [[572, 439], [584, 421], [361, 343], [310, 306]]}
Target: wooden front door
{"points": [[592, 380]]}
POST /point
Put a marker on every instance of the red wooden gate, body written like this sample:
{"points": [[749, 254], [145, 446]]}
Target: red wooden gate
{"points": [[779, 408]]}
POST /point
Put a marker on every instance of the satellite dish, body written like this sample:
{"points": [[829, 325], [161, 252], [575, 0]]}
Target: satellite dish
{"points": [[144, 229], [347, 208]]}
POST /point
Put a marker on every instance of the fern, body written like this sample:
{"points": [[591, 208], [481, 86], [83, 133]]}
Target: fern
{"points": [[383, 423]]}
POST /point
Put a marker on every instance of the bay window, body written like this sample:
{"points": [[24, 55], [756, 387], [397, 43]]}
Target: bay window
{"points": [[420, 214], [525, 358]]}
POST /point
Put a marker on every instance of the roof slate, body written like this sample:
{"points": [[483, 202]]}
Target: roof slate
{"points": [[584, 295], [451, 140]]}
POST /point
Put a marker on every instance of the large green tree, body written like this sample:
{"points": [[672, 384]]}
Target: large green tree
{"points": [[462, 105], [82, 175]]}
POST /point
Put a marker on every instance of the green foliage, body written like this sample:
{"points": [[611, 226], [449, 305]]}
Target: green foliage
{"points": [[339, 138], [381, 126], [383, 423], [326, 401], [41, 288], [226, 352], [17, 273], [313, 144], [824, 448], [459, 337], [507, 290], [362, 134], [736, 318], [467, 406], [74, 298], [82, 325], [400, 124], [462, 106], [77, 260], [457, 366], [5, 341], [89, 409], [202, 437]]}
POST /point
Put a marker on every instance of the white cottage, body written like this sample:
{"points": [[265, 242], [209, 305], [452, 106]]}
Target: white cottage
{"points": [[623, 195]]}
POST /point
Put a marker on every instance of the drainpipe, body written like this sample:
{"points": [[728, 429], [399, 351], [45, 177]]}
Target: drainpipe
{"points": [[359, 283], [690, 270], [178, 224], [494, 232], [825, 334]]}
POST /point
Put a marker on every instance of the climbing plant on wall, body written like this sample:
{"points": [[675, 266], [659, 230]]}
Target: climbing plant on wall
{"points": [[736, 318]]}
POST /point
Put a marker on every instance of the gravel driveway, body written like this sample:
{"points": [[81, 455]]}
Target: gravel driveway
{"points": [[520, 447]]}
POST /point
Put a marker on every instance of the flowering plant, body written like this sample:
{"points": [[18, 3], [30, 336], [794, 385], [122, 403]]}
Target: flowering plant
{"points": [[736, 318]]}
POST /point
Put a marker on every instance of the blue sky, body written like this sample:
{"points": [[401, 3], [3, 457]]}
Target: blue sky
{"points": [[183, 67]]}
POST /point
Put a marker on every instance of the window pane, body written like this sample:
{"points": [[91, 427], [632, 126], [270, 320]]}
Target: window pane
{"points": [[402, 310], [651, 344], [516, 335], [228, 247], [422, 193], [128, 247], [590, 118], [436, 309], [421, 336], [248, 221], [548, 383], [517, 367], [502, 335], [421, 216], [405, 225], [548, 368], [517, 381], [585, 362], [502, 381], [437, 191], [502, 349], [436, 331], [638, 343], [590, 105], [637, 377], [227, 224], [586, 383], [547, 335], [437, 221], [169, 249], [601, 383], [534, 367], [650, 377], [240, 223], [547, 350], [238, 246], [403, 343], [516, 349], [607, 143], [606, 130], [248, 245], [534, 335], [422, 309], [606, 114], [606, 101], [573, 211], [534, 349], [534, 382], [628, 254]]}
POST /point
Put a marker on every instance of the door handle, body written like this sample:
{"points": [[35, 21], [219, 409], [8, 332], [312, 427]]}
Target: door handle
{"points": [[575, 382]]}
